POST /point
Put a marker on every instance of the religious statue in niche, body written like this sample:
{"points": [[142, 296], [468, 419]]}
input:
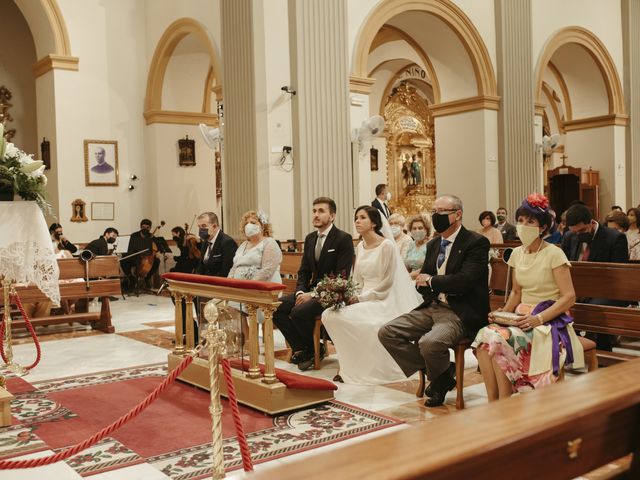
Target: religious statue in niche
{"points": [[373, 159], [78, 211], [45, 150], [410, 154]]}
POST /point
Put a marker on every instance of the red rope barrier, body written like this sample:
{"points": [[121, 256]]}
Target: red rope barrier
{"points": [[27, 321], [247, 464], [64, 454]]}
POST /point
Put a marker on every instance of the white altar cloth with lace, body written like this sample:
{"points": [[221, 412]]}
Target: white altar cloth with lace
{"points": [[26, 250]]}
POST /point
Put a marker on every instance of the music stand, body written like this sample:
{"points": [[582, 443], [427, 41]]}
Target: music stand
{"points": [[123, 244], [162, 245]]}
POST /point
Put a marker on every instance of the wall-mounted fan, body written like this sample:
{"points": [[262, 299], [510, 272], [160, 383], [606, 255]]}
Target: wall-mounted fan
{"points": [[210, 136], [548, 144], [371, 128]]}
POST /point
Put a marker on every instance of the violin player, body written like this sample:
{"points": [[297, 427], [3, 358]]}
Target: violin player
{"points": [[189, 247], [146, 264]]}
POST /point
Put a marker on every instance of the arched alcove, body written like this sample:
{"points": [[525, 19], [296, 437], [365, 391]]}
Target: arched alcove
{"points": [[587, 75], [195, 36], [466, 55], [50, 35]]}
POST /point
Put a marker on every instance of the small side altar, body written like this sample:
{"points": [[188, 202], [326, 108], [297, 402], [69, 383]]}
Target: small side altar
{"points": [[26, 250]]}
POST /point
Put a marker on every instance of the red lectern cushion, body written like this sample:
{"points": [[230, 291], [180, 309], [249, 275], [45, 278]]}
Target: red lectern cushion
{"points": [[290, 379], [223, 281]]}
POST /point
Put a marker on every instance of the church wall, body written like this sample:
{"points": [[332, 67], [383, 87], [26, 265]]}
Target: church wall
{"points": [[178, 193], [276, 129], [102, 101], [16, 57], [603, 18], [602, 149], [468, 139]]}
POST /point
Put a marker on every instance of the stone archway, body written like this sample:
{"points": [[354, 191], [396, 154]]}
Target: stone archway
{"points": [[446, 11], [50, 35], [177, 31], [602, 59]]}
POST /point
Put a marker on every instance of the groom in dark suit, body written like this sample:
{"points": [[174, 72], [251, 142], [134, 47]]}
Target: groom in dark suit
{"points": [[588, 241], [453, 283], [327, 251]]}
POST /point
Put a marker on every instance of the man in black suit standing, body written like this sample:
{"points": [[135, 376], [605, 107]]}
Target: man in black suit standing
{"points": [[100, 246], [327, 251], [217, 248], [382, 197], [453, 283], [588, 241], [507, 230]]}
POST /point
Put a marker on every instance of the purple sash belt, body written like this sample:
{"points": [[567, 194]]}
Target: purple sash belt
{"points": [[559, 333]]}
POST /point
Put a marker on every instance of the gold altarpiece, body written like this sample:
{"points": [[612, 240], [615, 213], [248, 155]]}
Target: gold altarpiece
{"points": [[411, 166]]}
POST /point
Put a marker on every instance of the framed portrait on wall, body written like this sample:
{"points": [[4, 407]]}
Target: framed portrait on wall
{"points": [[101, 163]]}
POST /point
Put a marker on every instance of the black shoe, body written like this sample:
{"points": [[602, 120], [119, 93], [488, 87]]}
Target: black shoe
{"points": [[306, 363], [297, 357], [439, 388], [338, 378], [452, 371]]}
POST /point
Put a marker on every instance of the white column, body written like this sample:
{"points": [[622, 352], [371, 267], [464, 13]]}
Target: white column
{"points": [[240, 173], [631, 47], [318, 42], [515, 87]]}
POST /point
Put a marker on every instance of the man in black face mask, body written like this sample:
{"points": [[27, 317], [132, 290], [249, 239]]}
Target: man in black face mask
{"points": [[217, 248], [588, 241], [100, 246], [453, 283], [58, 237], [507, 230]]}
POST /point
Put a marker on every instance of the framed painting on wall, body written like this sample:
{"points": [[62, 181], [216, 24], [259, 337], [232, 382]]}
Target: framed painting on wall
{"points": [[101, 163]]}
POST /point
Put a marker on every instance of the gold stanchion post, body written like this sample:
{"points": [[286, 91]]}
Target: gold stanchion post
{"points": [[8, 289], [254, 347], [179, 347], [269, 354], [216, 339]]}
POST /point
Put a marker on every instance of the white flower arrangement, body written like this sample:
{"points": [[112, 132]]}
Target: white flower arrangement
{"points": [[22, 175]]}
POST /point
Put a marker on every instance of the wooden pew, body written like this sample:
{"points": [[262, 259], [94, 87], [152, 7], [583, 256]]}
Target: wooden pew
{"points": [[614, 281], [560, 432], [104, 275], [289, 269]]}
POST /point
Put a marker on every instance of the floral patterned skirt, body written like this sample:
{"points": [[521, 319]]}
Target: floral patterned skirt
{"points": [[511, 349]]}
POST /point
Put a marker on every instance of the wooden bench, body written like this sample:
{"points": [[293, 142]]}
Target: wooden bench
{"points": [[562, 431], [104, 275], [613, 281]]}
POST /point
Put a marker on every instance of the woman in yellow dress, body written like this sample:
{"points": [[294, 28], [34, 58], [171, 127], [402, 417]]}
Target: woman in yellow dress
{"points": [[529, 354]]}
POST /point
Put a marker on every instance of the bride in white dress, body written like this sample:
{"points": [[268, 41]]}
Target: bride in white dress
{"points": [[386, 292]]}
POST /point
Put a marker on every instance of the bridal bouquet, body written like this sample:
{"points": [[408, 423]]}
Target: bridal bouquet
{"points": [[333, 292], [21, 174]]}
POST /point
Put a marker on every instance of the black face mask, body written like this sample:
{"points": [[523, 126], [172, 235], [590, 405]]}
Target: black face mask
{"points": [[57, 235], [440, 221], [179, 240], [111, 240], [585, 237], [203, 233]]}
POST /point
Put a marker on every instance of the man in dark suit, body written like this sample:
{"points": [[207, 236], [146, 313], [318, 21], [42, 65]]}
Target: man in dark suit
{"points": [[507, 230], [100, 246], [382, 197], [453, 283], [327, 251], [588, 241], [217, 248]]}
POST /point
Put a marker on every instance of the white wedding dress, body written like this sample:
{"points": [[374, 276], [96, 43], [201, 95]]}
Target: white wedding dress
{"points": [[386, 293]]}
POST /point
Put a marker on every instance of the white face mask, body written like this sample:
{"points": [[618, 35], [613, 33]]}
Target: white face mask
{"points": [[251, 229], [527, 234], [418, 235], [396, 230], [388, 196]]}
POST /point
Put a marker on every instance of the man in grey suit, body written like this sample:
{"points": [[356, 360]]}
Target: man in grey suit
{"points": [[453, 283], [507, 230]]}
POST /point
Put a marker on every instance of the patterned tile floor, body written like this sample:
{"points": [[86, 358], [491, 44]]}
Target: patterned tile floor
{"points": [[144, 329]]}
